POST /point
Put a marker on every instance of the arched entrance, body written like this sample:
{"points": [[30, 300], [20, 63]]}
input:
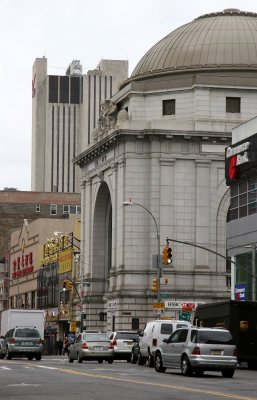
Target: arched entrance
{"points": [[102, 239]]}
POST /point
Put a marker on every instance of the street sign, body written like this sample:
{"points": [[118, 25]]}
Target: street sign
{"points": [[184, 315], [158, 306], [165, 295], [165, 280]]}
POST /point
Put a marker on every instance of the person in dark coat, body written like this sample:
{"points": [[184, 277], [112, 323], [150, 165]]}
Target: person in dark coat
{"points": [[59, 346]]}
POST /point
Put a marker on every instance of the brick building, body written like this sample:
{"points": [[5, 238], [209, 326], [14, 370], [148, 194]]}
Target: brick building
{"points": [[17, 207]]}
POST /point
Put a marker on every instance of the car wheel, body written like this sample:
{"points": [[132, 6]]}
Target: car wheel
{"points": [[79, 358], [150, 361], [158, 365], [100, 361], [228, 373], [110, 361], [70, 359], [186, 368], [140, 359], [8, 355], [133, 359], [30, 358], [38, 357], [1, 355]]}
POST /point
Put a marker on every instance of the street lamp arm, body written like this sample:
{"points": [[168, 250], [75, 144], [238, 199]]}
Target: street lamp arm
{"points": [[211, 251], [159, 273]]}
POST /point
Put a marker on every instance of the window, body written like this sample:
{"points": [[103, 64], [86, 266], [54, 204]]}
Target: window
{"points": [[243, 201], [66, 209], [37, 208], [53, 209], [233, 104], [168, 107], [166, 329], [53, 89]]}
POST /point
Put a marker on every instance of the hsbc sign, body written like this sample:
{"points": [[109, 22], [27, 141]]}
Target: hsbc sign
{"points": [[239, 158], [179, 305]]}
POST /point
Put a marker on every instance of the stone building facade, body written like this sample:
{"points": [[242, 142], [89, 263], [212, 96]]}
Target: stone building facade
{"points": [[160, 144]]}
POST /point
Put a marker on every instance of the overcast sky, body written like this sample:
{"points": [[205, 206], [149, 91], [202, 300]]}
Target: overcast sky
{"points": [[63, 30]]}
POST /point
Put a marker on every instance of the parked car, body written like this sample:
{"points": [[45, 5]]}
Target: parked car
{"points": [[122, 342], [153, 334], [195, 350], [135, 352], [91, 346], [22, 342], [1, 339]]}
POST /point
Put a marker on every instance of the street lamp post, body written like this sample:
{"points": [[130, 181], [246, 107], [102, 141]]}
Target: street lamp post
{"points": [[253, 274], [129, 203]]}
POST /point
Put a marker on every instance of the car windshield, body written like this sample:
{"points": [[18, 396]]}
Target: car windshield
{"points": [[215, 337], [127, 335], [27, 332], [96, 337]]}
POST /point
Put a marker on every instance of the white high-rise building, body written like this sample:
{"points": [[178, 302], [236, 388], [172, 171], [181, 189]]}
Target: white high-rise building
{"points": [[65, 109]]}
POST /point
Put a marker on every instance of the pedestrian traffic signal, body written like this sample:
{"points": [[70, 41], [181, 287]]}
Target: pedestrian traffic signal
{"points": [[155, 285], [64, 286], [167, 255]]}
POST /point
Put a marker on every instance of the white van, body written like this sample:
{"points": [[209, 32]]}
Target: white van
{"points": [[153, 335]]}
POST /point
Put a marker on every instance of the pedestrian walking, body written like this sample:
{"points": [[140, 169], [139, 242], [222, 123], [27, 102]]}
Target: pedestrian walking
{"points": [[65, 345], [59, 346]]}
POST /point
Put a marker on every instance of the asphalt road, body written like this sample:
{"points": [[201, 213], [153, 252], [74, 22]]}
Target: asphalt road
{"points": [[55, 378]]}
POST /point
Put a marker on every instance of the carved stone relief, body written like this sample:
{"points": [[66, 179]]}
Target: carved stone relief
{"points": [[106, 121]]}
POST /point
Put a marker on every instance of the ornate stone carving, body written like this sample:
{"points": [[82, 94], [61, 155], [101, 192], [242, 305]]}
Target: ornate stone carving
{"points": [[106, 121]]}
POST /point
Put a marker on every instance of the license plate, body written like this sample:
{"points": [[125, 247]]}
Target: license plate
{"points": [[98, 348], [216, 352], [27, 343]]}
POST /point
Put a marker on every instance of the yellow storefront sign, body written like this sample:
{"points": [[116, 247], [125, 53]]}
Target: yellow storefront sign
{"points": [[65, 261]]}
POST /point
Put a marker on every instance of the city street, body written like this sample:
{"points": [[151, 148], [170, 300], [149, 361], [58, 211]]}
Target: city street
{"points": [[55, 378]]}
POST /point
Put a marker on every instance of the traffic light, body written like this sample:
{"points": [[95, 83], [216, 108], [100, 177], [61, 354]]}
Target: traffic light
{"points": [[67, 285], [167, 255], [155, 285]]}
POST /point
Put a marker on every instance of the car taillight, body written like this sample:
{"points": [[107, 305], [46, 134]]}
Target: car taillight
{"points": [[196, 351], [41, 341], [12, 340], [84, 345], [111, 345], [114, 343], [154, 342]]}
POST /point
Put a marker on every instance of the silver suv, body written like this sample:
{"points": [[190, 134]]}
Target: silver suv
{"points": [[22, 341], [122, 342], [195, 350]]}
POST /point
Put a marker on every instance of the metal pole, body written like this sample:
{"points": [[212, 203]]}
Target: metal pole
{"points": [[253, 273], [159, 272], [81, 293]]}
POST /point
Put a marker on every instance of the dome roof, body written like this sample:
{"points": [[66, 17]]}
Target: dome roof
{"points": [[223, 39]]}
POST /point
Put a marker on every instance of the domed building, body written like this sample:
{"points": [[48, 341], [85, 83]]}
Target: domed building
{"points": [[158, 147]]}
